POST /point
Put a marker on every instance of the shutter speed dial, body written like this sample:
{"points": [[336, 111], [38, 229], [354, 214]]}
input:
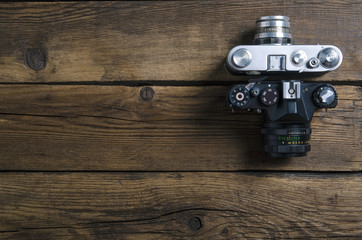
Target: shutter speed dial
{"points": [[329, 58], [325, 96], [269, 96], [239, 96]]}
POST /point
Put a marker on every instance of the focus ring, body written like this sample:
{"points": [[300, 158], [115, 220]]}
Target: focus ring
{"points": [[285, 139]]}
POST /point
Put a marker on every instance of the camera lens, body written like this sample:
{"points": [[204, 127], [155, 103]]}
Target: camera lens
{"points": [[273, 30], [286, 139]]}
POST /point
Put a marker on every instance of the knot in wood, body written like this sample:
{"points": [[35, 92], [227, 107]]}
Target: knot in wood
{"points": [[146, 93], [194, 224], [35, 59]]}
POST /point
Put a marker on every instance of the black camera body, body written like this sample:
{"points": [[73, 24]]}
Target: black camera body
{"points": [[288, 108]]}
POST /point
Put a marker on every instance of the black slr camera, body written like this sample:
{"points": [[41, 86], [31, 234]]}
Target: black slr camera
{"points": [[287, 105], [288, 108]]}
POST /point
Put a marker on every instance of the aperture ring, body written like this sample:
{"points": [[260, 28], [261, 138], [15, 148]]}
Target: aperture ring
{"points": [[293, 131]]}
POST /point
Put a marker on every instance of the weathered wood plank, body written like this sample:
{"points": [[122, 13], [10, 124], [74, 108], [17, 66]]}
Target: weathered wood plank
{"points": [[171, 40], [169, 206], [51, 127]]}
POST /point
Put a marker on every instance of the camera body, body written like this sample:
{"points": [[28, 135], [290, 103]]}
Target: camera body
{"points": [[273, 51], [288, 108], [288, 105]]}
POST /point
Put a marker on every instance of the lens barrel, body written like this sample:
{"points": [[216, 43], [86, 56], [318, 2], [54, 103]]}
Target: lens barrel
{"points": [[286, 139], [273, 30]]}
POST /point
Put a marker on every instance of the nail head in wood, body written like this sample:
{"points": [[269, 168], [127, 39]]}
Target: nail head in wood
{"points": [[147, 93], [36, 59]]}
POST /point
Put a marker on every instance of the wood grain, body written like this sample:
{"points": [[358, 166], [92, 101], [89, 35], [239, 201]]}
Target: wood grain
{"points": [[56, 127], [161, 205], [168, 40], [87, 152]]}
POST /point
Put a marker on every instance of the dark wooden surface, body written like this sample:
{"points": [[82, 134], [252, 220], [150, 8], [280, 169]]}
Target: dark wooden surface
{"points": [[180, 205], [139, 41], [180, 129], [113, 125]]}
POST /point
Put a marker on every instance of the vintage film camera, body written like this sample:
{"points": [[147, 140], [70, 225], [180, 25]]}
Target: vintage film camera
{"points": [[273, 51], [288, 105], [288, 108]]}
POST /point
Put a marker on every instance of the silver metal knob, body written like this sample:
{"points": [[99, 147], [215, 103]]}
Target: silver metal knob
{"points": [[299, 57], [329, 58], [313, 62], [326, 96], [241, 58]]}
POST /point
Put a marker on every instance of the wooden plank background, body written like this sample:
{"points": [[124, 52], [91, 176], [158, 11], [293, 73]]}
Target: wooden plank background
{"points": [[180, 129], [140, 41], [87, 153], [180, 205]]}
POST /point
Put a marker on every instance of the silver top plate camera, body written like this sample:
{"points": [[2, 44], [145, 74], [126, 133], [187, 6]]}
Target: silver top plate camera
{"points": [[273, 51]]}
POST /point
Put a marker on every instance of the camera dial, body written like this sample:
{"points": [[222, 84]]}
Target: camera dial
{"points": [[328, 57], [269, 96], [325, 96], [239, 96]]}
